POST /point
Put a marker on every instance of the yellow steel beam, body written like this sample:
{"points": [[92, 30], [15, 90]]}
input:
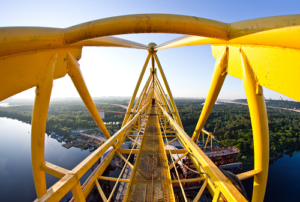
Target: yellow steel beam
{"points": [[248, 174], [146, 23], [38, 126], [138, 102], [64, 185], [261, 31], [164, 95], [100, 191], [89, 185], [171, 141], [216, 177], [126, 162], [150, 179], [78, 81], [143, 93], [54, 170], [78, 193], [60, 188], [167, 135], [136, 89], [177, 175], [208, 133], [51, 38], [259, 122], [135, 151], [87, 188], [19, 40], [206, 142], [113, 179], [196, 199], [82, 167], [159, 98], [124, 159], [189, 180], [110, 42], [177, 160], [133, 140], [214, 90], [217, 195], [168, 89]]}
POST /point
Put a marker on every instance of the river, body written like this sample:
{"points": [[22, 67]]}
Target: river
{"points": [[283, 180], [16, 172], [15, 160]]}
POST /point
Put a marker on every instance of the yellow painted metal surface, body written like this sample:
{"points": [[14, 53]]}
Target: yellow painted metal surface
{"points": [[260, 128], [204, 164], [38, 126], [146, 23], [262, 52], [129, 109], [214, 90], [79, 83], [168, 90], [54, 169], [150, 179], [23, 71], [273, 67]]}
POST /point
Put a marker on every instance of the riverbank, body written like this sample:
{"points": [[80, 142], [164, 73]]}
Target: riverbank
{"points": [[272, 159]]}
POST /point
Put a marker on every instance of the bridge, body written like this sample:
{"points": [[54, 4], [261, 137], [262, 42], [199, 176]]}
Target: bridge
{"points": [[262, 52]]}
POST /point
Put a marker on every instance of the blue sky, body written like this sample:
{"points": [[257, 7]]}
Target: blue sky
{"points": [[114, 71]]}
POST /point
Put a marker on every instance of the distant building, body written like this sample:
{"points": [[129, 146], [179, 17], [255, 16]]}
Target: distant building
{"points": [[102, 115]]}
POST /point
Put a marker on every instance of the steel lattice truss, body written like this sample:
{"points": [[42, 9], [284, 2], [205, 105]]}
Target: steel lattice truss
{"points": [[262, 52]]}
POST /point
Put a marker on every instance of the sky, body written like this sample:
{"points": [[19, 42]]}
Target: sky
{"points": [[115, 71]]}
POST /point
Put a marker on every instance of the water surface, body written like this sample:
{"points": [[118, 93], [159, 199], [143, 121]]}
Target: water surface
{"points": [[283, 180], [15, 160]]}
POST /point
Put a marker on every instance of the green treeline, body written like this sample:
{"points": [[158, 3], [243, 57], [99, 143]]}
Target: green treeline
{"points": [[63, 117], [230, 123]]}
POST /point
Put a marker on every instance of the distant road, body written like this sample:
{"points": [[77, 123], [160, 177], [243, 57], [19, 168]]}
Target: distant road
{"points": [[94, 137], [295, 110], [122, 106]]}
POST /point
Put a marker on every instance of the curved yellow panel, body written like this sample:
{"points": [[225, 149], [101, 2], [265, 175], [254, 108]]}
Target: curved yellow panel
{"points": [[275, 68], [24, 71]]}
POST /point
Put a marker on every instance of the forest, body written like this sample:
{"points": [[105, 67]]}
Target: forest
{"points": [[230, 123], [65, 116]]}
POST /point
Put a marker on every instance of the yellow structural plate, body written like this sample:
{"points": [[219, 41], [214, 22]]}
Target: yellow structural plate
{"points": [[150, 179]]}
